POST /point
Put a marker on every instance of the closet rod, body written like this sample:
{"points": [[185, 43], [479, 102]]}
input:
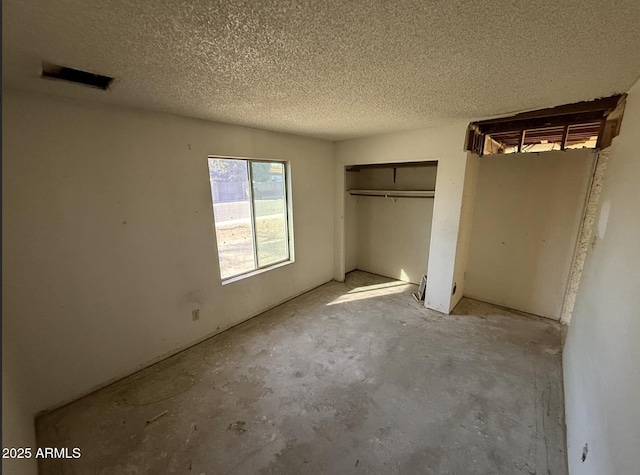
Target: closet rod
{"points": [[394, 193]]}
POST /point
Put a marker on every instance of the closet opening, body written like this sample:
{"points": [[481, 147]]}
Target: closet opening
{"points": [[388, 218]]}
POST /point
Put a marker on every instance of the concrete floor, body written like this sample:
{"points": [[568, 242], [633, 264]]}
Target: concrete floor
{"points": [[348, 378]]}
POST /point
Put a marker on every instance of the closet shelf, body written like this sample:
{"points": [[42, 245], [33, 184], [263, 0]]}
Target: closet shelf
{"points": [[394, 193]]}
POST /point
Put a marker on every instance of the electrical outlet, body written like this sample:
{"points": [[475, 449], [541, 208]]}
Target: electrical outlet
{"points": [[195, 314]]}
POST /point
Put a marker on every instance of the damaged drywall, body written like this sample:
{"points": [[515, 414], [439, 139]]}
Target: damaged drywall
{"points": [[586, 232]]}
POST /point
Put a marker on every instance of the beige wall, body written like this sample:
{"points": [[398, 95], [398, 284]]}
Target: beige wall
{"points": [[602, 352], [108, 242], [17, 416], [109, 245], [467, 211], [441, 144], [526, 223], [350, 223], [393, 235]]}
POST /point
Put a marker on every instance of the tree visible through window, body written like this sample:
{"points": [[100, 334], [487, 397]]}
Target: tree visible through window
{"points": [[250, 214]]}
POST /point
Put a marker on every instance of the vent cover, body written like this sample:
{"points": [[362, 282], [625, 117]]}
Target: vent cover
{"points": [[53, 71]]}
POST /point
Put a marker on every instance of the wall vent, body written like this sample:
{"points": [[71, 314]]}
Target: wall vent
{"points": [[63, 73]]}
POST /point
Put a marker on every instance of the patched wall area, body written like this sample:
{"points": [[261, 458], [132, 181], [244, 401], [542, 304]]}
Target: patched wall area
{"points": [[528, 213]]}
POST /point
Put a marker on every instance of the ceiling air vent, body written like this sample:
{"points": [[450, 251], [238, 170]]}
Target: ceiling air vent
{"points": [[53, 71], [591, 124]]}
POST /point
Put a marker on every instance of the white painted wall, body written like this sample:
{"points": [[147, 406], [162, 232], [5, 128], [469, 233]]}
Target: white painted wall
{"points": [[602, 352], [393, 235], [466, 224], [350, 222], [526, 224], [108, 242], [443, 144]]}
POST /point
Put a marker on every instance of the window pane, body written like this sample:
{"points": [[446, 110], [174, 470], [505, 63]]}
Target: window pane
{"points": [[232, 215], [270, 208]]}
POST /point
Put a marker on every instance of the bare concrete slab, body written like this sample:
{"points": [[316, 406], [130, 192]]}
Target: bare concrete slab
{"points": [[348, 378]]}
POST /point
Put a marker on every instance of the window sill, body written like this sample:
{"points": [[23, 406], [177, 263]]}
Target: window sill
{"points": [[237, 278]]}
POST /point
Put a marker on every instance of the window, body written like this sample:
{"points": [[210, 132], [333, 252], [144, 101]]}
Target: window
{"points": [[250, 212]]}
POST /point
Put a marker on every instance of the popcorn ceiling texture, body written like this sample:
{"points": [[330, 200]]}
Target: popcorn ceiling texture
{"points": [[329, 69]]}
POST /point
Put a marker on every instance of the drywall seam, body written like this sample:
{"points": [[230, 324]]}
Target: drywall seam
{"points": [[584, 239]]}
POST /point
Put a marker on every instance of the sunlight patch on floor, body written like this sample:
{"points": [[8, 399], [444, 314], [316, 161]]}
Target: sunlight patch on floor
{"points": [[370, 291]]}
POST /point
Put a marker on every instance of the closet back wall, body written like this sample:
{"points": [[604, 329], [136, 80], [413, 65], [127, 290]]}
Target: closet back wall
{"points": [[393, 234]]}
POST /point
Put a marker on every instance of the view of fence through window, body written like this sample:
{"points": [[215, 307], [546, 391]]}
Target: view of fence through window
{"points": [[250, 214]]}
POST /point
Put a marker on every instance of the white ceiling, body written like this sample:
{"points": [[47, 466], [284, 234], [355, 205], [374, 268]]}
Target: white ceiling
{"points": [[330, 69]]}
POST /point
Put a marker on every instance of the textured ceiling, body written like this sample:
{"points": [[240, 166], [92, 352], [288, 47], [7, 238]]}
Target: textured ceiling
{"points": [[331, 69]]}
